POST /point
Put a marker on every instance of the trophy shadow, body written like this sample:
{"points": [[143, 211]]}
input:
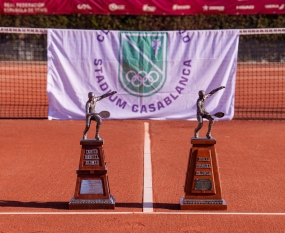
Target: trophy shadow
{"points": [[34, 204], [64, 205], [167, 206], [129, 205]]}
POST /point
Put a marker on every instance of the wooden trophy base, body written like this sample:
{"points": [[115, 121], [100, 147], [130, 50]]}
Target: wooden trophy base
{"points": [[202, 185], [92, 190]]}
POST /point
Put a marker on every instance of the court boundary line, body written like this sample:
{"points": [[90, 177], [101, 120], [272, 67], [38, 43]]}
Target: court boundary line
{"points": [[143, 213], [147, 181]]}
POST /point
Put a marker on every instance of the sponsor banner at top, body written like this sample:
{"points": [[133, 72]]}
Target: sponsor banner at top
{"points": [[138, 7]]}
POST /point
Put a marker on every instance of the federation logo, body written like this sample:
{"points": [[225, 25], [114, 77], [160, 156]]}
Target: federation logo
{"points": [[142, 59]]}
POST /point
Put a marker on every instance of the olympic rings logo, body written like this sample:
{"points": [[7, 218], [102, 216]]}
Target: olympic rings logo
{"points": [[142, 78]]}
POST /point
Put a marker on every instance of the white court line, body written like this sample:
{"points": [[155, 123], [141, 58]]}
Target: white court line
{"points": [[147, 179], [143, 213]]}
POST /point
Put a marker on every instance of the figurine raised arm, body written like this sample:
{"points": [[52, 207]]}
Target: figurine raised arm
{"points": [[202, 113], [92, 115]]}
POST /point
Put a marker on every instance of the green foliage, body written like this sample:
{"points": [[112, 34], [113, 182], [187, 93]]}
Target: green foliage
{"points": [[143, 22]]}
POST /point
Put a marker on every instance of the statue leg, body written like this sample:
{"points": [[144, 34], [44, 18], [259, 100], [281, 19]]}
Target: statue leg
{"points": [[211, 122], [199, 126], [86, 128], [99, 121], [85, 132]]}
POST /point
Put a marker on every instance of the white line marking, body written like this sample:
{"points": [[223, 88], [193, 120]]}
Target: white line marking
{"points": [[154, 213], [147, 181]]}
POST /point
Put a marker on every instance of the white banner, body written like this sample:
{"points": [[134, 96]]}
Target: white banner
{"points": [[157, 75]]}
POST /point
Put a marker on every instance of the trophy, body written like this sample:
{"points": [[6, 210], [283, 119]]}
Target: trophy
{"points": [[92, 190], [202, 185]]}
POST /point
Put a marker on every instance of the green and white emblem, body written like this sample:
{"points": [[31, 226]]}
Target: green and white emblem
{"points": [[142, 59]]}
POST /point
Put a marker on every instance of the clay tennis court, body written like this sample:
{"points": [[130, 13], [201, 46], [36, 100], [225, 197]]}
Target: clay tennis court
{"points": [[39, 159]]}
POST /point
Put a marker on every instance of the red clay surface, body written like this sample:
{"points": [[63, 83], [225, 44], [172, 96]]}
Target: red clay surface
{"points": [[260, 87], [250, 157], [39, 159], [23, 87]]}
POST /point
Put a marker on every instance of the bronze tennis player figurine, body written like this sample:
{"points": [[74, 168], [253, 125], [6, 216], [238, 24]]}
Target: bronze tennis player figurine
{"points": [[92, 115], [202, 113]]}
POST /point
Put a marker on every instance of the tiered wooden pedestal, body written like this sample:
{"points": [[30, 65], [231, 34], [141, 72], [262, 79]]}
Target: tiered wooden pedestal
{"points": [[202, 185], [92, 189]]}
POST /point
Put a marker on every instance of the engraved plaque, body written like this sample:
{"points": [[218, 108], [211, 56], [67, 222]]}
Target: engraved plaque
{"points": [[91, 162], [202, 173], [91, 187], [205, 159], [91, 157], [203, 166], [203, 184], [93, 151]]}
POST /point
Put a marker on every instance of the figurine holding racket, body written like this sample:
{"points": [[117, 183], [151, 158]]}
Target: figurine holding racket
{"points": [[92, 115], [202, 113]]}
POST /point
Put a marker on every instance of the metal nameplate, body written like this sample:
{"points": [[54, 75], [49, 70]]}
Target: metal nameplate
{"points": [[91, 162], [203, 166], [203, 159], [91, 157], [202, 173], [203, 184], [93, 151], [91, 187]]}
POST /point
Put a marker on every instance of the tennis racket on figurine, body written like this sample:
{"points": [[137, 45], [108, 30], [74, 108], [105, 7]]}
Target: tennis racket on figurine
{"points": [[219, 114], [102, 114]]}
